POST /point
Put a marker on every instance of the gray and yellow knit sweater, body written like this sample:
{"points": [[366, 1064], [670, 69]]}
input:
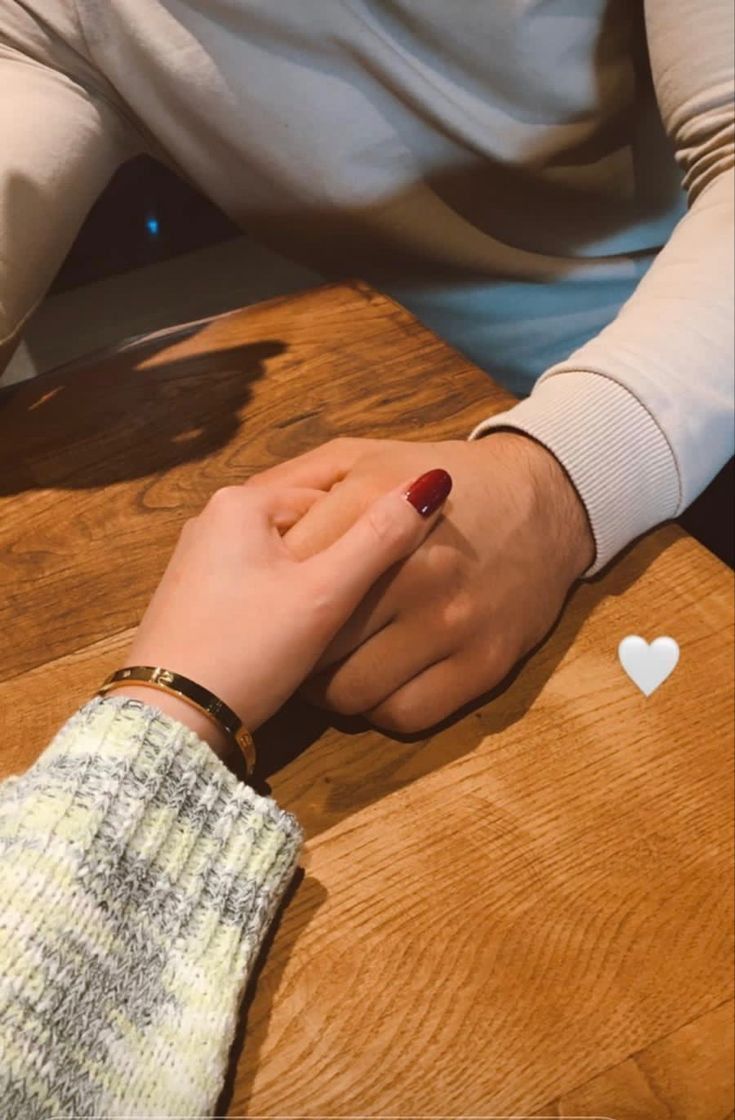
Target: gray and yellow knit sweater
{"points": [[138, 877]]}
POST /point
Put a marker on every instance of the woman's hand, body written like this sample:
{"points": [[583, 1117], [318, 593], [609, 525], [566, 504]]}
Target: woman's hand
{"points": [[238, 613]]}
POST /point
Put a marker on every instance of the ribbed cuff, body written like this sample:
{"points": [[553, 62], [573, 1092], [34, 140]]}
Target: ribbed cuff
{"points": [[616, 455], [153, 803]]}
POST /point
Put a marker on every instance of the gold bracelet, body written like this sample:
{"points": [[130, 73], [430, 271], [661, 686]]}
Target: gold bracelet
{"points": [[192, 693]]}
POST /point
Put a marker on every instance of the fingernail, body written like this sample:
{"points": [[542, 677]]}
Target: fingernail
{"points": [[428, 492]]}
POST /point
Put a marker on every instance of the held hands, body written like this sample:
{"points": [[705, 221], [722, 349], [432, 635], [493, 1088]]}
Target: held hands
{"points": [[451, 620], [240, 614], [391, 620]]}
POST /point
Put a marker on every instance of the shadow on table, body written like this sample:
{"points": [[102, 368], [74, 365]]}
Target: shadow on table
{"points": [[300, 904], [299, 726], [126, 413]]}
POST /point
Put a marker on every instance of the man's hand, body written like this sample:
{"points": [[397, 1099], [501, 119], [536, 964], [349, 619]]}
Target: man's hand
{"points": [[450, 621]]}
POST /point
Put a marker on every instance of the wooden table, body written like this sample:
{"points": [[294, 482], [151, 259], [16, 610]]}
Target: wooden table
{"points": [[528, 913]]}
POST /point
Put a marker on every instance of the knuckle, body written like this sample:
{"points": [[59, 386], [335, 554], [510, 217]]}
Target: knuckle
{"points": [[443, 564], [344, 445], [189, 527], [402, 716], [226, 500], [348, 689], [497, 661], [344, 702], [383, 524], [458, 615], [319, 598], [339, 692]]}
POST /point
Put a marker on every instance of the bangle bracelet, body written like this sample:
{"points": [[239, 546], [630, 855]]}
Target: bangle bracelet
{"points": [[192, 693]]}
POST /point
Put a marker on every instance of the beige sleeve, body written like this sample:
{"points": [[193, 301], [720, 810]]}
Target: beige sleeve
{"points": [[60, 143], [642, 415]]}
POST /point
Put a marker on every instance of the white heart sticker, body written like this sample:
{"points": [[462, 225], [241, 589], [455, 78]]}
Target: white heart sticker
{"points": [[648, 666]]}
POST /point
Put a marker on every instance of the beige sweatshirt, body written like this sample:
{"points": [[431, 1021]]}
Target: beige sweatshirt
{"points": [[498, 165]]}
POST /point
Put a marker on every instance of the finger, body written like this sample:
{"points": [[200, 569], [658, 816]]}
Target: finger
{"points": [[392, 527], [291, 505], [330, 519], [433, 695], [380, 667], [402, 593], [372, 615], [257, 516], [318, 469]]}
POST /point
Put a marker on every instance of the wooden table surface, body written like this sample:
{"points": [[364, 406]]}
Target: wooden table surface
{"points": [[526, 913]]}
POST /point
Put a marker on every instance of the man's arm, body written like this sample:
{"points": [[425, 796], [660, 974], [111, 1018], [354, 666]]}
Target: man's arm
{"points": [[61, 139], [641, 416]]}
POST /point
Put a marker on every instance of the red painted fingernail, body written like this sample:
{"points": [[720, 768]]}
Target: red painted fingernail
{"points": [[428, 492]]}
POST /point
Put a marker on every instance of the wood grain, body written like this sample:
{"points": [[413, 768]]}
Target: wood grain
{"points": [[518, 921], [528, 911], [685, 1076]]}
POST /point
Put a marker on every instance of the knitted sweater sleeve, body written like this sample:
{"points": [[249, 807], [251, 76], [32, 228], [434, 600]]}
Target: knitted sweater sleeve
{"points": [[138, 877]]}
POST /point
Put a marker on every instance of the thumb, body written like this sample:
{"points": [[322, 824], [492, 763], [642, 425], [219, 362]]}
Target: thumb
{"points": [[392, 527]]}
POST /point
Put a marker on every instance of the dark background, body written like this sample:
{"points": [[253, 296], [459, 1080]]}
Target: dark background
{"points": [[117, 237]]}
